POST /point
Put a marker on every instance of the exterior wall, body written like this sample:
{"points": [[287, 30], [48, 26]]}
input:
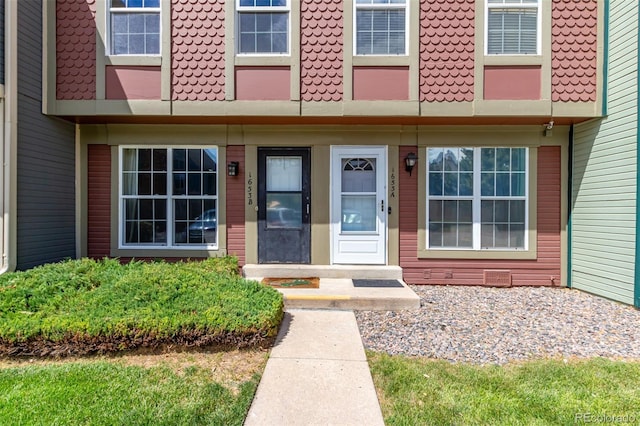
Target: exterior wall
{"points": [[263, 83], [604, 202], [447, 49], [99, 204], [239, 143], [197, 50], [512, 82], [380, 83], [265, 100], [235, 206], [75, 49], [46, 158], [544, 270], [321, 50], [574, 48], [132, 82], [202, 74]]}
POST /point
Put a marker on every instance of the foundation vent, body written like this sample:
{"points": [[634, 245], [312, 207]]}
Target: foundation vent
{"points": [[497, 278]]}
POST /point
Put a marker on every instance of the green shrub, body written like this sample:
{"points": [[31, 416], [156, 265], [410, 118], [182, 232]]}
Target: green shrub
{"points": [[104, 305]]}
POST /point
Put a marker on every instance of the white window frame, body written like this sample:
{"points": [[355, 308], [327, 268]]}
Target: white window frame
{"points": [[477, 199], [383, 6], [513, 4], [146, 10], [170, 243], [263, 9]]}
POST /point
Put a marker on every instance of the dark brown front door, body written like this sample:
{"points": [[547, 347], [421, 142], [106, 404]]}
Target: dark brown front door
{"points": [[284, 198]]}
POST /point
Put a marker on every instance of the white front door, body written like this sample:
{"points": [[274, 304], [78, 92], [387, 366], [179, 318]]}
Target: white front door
{"points": [[359, 205]]}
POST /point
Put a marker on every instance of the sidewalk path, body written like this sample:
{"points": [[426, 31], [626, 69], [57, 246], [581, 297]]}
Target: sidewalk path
{"points": [[317, 374]]}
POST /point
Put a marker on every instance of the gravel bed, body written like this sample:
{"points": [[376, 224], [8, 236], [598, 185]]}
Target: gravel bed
{"points": [[483, 325]]}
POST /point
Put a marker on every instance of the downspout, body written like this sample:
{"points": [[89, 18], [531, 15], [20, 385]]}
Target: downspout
{"points": [[570, 206], [605, 60], [636, 272], [9, 137]]}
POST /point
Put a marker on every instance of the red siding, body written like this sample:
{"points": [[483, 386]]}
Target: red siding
{"points": [[574, 51], [133, 82], [235, 206], [471, 272], [513, 82], [447, 50], [75, 49], [263, 83], [321, 50], [99, 196], [380, 83], [197, 50]]}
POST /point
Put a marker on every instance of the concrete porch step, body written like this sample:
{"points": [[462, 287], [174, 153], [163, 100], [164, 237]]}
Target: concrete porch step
{"points": [[323, 271], [340, 294]]}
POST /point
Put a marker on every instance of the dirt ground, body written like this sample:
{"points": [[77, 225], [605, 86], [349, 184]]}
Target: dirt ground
{"points": [[229, 368]]}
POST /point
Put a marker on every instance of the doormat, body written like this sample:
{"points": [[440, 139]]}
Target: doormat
{"points": [[312, 282], [377, 283]]}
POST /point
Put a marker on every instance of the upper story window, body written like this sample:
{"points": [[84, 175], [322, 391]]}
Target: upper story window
{"points": [[381, 27], [263, 26], [513, 27], [134, 27]]}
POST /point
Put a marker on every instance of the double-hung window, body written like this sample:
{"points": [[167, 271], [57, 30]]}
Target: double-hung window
{"points": [[513, 27], [168, 197], [263, 26], [381, 27], [134, 27], [477, 198]]}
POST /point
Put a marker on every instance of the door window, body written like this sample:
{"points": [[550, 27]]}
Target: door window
{"points": [[359, 195], [284, 192]]}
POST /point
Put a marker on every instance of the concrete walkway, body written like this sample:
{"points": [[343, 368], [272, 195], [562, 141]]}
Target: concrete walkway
{"points": [[317, 374]]}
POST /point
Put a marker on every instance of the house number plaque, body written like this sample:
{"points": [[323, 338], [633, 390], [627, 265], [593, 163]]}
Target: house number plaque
{"points": [[393, 183]]}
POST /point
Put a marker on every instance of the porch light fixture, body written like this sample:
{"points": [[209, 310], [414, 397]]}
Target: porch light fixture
{"points": [[232, 168], [548, 129], [410, 161]]}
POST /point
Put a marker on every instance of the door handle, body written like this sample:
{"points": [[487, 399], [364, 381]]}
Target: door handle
{"points": [[307, 208], [382, 205]]}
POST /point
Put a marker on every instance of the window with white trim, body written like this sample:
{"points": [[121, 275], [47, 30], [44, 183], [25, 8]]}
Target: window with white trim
{"points": [[513, 27], [263, 26], [168, 197], [477, 198], [381, 27], [134, 27]]}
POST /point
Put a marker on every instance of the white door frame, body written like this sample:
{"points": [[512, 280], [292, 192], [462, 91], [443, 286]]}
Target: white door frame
{"points": [[354, 247]]}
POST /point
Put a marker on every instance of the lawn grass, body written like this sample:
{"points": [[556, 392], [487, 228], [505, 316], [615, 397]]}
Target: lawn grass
{"points": [[86, 306], [546, 392], [106, 393]]}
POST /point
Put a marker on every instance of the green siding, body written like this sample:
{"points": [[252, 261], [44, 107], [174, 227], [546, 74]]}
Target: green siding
{"points": [[604, 187]]}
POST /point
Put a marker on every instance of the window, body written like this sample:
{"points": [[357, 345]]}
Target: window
{"points": [[512, 27], [477, 198], [359, 195], [135, 27], [381, 27], [168, 197], [263, 26]]}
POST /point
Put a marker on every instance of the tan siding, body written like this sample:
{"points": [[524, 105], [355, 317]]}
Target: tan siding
{"points": [[471, 272]]}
